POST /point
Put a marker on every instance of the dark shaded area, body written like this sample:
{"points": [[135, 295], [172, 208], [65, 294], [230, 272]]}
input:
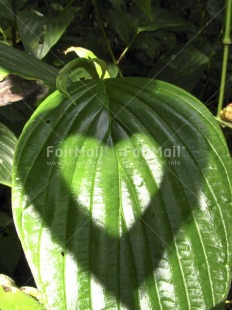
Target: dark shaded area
{"points": [[220, 306], [12, 259], [17, 101]]}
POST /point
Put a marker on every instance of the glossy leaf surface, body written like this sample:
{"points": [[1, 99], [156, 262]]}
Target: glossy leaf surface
{"points": [[7, 147], [123, 200], [39, 33], [26, 66]]}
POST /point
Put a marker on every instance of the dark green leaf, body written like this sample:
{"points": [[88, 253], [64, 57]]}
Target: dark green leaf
{"points": [[164, 19], [118, 20], [39, 33], [117, 3], [6, 10], [7, 148], [26, 66], [144, 5], [183, 66], [216, 8], [122, 198]]}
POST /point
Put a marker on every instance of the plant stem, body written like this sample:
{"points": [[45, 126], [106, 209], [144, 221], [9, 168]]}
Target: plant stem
{"points": [[127, 48], [105, 37], [224, 124], [226, 42], [13, 31]]}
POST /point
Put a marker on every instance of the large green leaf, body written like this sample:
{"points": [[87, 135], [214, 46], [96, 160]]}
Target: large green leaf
{"points": [[122, 198], [24, 65], [7, 147], [39, 33]]}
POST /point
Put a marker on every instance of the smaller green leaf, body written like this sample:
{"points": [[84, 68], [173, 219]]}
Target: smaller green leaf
{"points": [[26, 66], [69, 73], [3, 73], [39, 33], [101, 66], [7, 147], [144, 5], [81, 52], [112, 69], [164, 19]]}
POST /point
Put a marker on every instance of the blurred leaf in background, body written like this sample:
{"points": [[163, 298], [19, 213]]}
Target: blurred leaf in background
{"points": [[39, 33], [7, 147]]}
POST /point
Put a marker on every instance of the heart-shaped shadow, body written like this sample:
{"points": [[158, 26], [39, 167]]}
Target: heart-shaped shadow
{"points": [[111, 220]]}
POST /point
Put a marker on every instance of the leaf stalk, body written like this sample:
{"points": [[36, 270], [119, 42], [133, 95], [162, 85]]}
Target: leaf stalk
{"points": [[226, 42]]}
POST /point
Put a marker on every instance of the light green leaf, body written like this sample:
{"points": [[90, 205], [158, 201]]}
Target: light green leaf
{"points": [[81, 52], [112, 70], [12, 298], [39, 33], [123, 199], [101, 66], [26, 66], [164, 19], [3, 73], [144, 5], [69, 73], [7, 147]]}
